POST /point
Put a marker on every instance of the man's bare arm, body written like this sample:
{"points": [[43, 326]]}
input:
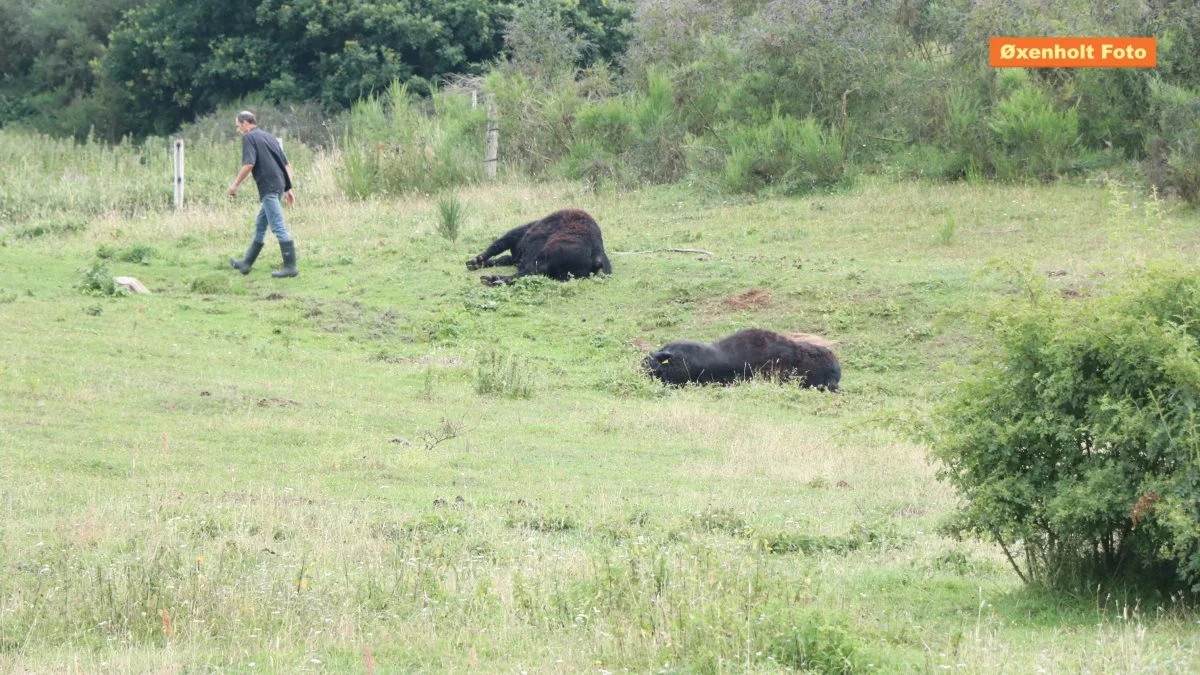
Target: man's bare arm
{"points": [[245, 171], [289, 198]]}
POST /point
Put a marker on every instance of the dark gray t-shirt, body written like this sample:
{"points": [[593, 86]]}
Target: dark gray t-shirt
{"points": [[264, 152]]}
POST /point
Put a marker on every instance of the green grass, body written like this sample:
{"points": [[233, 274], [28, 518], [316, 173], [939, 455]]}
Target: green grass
{"points": [[338, 470]]}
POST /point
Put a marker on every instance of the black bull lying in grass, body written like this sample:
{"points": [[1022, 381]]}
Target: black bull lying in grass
{"points": [[748, 353], [562, 245]]}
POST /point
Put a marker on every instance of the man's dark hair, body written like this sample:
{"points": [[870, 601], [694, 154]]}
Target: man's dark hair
{"points": [[247, 116]]}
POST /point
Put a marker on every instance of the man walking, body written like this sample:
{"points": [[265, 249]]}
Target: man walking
{"points": [[262, 156]]}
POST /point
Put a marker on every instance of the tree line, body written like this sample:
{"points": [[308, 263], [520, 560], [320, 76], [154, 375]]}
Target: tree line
{"points": [[142, 67], [747, 95]]}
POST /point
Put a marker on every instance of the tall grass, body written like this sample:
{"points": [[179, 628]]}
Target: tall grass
{"points": [[945, 230], [45, 180], [392, 146], [509, 376], [452, 212], [42, 176]]}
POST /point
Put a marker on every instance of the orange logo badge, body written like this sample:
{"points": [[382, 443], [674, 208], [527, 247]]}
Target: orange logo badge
{"points": [[1072, 52]]}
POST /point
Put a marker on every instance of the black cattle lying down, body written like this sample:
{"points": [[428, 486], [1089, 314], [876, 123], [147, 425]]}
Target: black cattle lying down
{"points": [[562, 245], [748, 353]]}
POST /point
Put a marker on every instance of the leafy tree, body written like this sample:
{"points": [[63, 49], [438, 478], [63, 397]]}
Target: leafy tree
{"points": [[161, 57], [46, 52]]}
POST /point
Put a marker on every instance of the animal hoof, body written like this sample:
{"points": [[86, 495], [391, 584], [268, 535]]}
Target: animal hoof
{"points": [[474, 264]]}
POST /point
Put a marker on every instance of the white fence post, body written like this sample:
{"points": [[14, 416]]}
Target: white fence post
{"points": [[474, 99], [493, 138], [178, 173]]}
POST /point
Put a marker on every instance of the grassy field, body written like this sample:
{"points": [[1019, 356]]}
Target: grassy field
{"points": [[384, 466]]}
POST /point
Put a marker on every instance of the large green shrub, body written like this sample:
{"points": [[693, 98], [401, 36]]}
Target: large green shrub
{"points": [[1173, 149], [1112, 109], [785, 154], [964, 135], [1033, 138], [635, 139], [1075, 445], [536, 118]]}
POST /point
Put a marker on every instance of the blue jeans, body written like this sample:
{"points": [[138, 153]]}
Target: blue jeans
{"points": [[270, 213]]}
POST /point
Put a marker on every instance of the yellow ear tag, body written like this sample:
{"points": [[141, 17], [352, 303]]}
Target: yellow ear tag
{"points": [[665, 361]]}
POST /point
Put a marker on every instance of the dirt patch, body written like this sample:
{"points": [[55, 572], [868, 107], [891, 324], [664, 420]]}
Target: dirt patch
{"points": [[641, 345], [337, 316], [272, 402], [755, 298], [275, 296]]}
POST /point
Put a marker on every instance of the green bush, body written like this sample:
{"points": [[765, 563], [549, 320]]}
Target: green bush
{"points": [[813, 644], [139, 254], [785, 154], [1112, 109], [657, 152], [98, 281], [1075, 443], [1173, 148], [1184, 164], [535, 119], [1033, 138], [965, 136], [635, 139], [590, 162], [394, 147]]}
